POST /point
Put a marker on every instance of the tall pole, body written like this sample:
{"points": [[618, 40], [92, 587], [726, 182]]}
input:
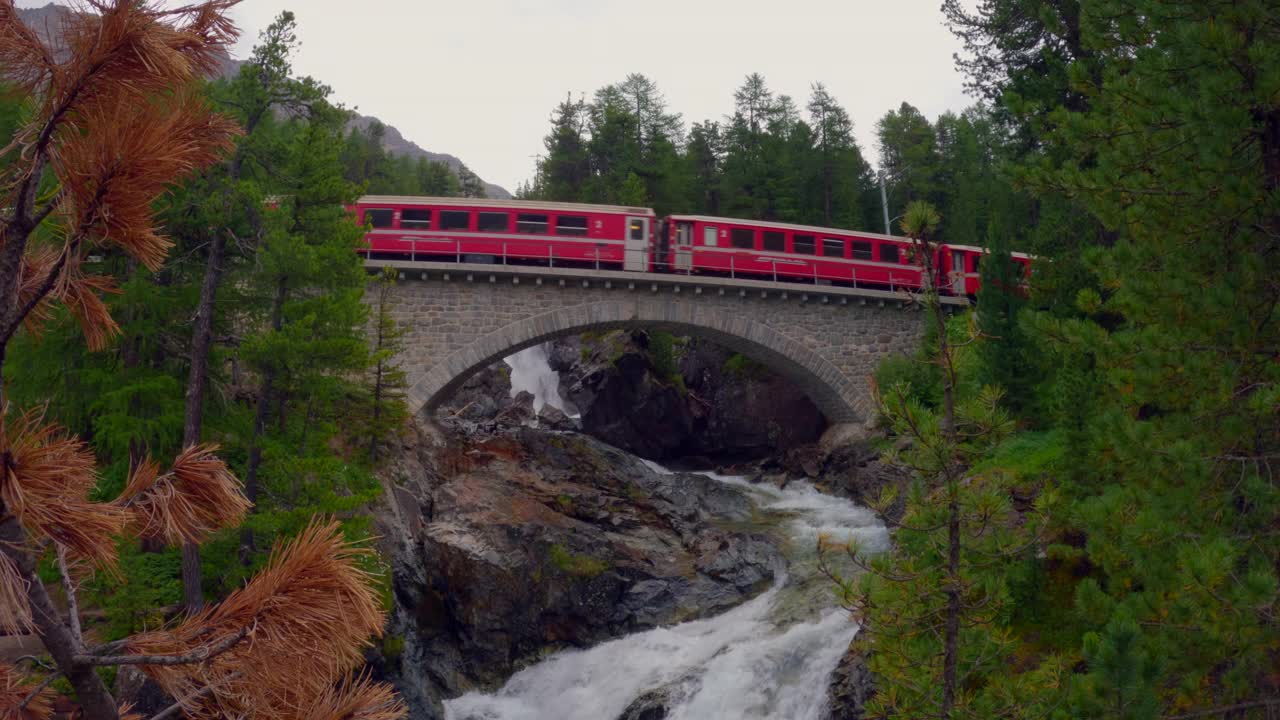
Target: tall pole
{"points": [[884, 205]]}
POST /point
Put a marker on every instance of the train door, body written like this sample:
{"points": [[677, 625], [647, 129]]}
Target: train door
{"points": [[957, 272], [637, 245], [684, 247]]}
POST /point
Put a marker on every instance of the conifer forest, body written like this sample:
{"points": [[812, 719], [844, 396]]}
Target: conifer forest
{"points": [[219, 500]]}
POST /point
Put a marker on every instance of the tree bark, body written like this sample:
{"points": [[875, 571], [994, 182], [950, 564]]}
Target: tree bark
{"points": [[951, 631], [95, 701], [260, 423], [197, 379]]}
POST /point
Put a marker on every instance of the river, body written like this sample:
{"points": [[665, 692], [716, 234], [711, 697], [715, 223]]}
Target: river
{"points": [[770, 658]]}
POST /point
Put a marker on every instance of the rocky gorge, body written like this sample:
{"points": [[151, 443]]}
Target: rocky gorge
{"points": [[542, 569]]}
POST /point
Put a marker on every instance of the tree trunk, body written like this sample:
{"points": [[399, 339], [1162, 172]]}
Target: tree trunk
{"points": [[260, 423], [95, 701], [951, 632], [201, 341]]}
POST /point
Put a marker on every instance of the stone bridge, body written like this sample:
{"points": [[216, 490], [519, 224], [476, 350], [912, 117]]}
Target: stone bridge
{"points": [[461, 318]]}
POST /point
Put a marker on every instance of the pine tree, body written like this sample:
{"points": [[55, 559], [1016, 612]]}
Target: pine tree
{"points": [[386, 407], [1003, 346], [938, 603], [310, 282], [1177, 153], [103, 158]]}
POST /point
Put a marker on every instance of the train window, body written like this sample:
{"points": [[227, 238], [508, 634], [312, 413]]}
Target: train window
{"points": [[833, 247], [889, 253], [379, 218], [637, 228], [455, 220], [803, 244], [775, 241], [571, 225], [532, 224], [744, 239], [709, 236], [493, 222], [861, 250], [415, 219]]}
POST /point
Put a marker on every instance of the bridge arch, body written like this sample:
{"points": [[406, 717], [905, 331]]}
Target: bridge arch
{"points": [[842, 399]]}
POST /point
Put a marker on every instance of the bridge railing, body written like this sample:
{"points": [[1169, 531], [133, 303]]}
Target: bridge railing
{"points": [[435, 250]]}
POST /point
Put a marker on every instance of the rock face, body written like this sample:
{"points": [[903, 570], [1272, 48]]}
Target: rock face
{"points": [[663, 397], [852, 685], [514, 543]]}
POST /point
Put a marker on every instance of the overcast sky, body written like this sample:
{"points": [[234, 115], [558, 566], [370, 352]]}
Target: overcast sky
{"points": [[479, 78]]}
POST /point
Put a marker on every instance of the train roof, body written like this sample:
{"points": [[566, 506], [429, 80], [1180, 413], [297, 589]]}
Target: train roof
{"points": [[490, 202], [975, 248], [788, 226]]}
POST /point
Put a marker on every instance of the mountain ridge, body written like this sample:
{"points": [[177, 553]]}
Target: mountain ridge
{"points": [[46, 20]]}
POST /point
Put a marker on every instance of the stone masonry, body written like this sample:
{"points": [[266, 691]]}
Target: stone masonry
{"points": [[462, 318]]}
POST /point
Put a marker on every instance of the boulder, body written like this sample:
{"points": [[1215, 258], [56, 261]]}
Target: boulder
{"points": [[852, 684], [513, 543], [553, 418], [518, 412]]}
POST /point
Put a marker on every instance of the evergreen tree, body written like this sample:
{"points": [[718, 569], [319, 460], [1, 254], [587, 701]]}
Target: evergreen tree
{"points": [[385, 404], [564, 172], [908, 156], [469, 183], [310, 283], [1177, 154], [1003, 346]]}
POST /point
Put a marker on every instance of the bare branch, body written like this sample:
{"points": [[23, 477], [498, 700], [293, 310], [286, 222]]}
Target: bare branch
{"points": [[73, 606], [199, 655]]}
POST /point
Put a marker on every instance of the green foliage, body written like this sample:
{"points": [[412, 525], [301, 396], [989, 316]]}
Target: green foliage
{"points": [[741, 366], [583, 566], [662, 353], [1143, 353], [290, 305]]}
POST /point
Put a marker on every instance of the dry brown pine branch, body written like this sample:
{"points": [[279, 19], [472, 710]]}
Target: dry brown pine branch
{"points": [[15, 612], [355, 698], [21, 700], [312, 610], [197, 497], [45, 482]]}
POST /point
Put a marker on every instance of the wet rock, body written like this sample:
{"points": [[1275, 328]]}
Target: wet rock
{"points": [[518, 412], [855, 471], [481, 397], [553, 418], [564, 352], [656, 704], [852, 685], [520, 541], [700, 400]]}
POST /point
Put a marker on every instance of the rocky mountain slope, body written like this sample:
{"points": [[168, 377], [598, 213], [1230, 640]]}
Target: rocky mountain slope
{"points": [[46, 21]]}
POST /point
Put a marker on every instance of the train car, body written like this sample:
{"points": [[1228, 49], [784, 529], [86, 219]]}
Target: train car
{"points": [[958, 268], [780, 251], [507, 231]]}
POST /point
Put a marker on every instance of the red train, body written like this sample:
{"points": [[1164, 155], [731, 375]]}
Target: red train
{"points": [[634, 239]]}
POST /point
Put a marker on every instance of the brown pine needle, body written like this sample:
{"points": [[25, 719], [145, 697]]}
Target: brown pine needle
{"points": [[15, 689], [311, 612], [356, 699], [45, 482], [15, 612], [197, 497]]}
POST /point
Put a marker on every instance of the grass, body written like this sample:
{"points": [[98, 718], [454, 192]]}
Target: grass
{"points": [[583, 566]]}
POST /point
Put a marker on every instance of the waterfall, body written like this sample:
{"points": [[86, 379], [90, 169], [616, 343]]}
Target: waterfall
{"points": [[769, 659], [531, 372]]}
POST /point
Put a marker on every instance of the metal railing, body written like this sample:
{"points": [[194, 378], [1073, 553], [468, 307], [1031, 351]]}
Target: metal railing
{"points": [[903, 280]]}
